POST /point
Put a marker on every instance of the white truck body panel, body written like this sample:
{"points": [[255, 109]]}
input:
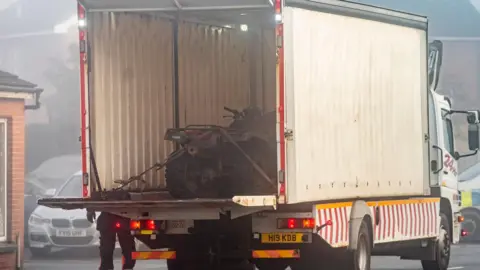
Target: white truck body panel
{"points": [[346, 98], [356, 101]]}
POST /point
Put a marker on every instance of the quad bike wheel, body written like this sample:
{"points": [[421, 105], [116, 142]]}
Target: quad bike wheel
{"points": [[188, 177]]}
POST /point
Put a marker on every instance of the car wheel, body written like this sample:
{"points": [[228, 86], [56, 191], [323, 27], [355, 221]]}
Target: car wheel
{"points": [[471, 224], [40, 252]]}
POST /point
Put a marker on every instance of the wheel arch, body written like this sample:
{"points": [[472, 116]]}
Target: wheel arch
{"points": [[360, 211], [446, 209]]}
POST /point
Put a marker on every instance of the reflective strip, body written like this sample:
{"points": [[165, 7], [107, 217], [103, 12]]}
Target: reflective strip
{"points": [[399, 220], [154, 255], [275, 254], [379, 203]]}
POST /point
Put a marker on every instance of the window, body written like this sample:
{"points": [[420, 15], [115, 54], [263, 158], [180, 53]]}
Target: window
{"points": [[73, 187], [448, 134], [3, 180]]}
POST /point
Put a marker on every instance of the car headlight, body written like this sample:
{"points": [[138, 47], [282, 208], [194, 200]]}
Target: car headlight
{"points": [[36, 220]]}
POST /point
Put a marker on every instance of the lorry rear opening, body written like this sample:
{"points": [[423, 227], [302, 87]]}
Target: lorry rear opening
{"points": [[202, 80]]}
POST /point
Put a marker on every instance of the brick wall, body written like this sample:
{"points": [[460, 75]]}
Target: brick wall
{"points": [[7, 261], [13, 111]]}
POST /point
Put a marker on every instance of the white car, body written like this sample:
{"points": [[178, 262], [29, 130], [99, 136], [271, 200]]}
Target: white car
{"points": [[50, 227]]}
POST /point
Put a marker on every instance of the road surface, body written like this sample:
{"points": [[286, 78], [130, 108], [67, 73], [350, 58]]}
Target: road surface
{"points": [[464, 257]]}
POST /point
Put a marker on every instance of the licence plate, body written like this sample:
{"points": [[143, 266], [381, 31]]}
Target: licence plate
{"points": [[71, 233], [274, 238]]}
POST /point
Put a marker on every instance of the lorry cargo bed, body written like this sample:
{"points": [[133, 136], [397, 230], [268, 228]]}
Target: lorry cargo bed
{"points": [[350, 122], [168, 208]]}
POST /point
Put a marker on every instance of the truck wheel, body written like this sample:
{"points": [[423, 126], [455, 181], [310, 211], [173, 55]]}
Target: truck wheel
{"points": [[327, 258], [442, 248], [360, 259], [471, 224]]}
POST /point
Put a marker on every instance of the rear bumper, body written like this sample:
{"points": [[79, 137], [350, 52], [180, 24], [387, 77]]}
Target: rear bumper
{"points": [[255, 254]]}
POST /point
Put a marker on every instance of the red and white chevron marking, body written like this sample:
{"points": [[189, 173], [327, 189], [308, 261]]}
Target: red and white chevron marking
{"points": [[399, 220], [336, 234], [407, 221]]}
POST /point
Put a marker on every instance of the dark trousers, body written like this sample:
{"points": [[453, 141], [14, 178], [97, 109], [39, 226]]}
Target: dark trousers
{"points": [[108, 233]]}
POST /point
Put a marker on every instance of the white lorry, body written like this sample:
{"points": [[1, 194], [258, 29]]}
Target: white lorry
{"points": [[365, 152]]}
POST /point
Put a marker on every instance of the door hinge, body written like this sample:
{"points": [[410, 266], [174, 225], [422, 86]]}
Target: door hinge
{"points": [[426, 137], [289, 134]]}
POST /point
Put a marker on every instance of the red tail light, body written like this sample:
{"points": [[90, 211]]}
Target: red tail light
{"points": [[309, 223], [291, 223], [150, 225], [85, 191], [278, 6], [463, 233], [295, 223], [135, 225], [118, 225]]}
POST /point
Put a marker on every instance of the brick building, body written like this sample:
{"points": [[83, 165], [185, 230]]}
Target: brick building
{"points": [[15, 95]]}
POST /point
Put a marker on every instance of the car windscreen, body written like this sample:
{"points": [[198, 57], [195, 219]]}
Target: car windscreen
{"points": [[73, 188]]}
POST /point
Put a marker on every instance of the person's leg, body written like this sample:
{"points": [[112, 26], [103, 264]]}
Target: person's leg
{"points": [[107, 242], [127, 243], [107, 247]]}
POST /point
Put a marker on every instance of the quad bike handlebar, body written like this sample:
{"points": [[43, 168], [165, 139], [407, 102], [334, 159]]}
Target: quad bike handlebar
{"points": [[233, 111], [236, 115]]}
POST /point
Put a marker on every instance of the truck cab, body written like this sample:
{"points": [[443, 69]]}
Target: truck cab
{"points": [[443, 154]]}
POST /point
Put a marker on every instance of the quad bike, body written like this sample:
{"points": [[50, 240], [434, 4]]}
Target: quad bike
{"points": [[219, 162]]}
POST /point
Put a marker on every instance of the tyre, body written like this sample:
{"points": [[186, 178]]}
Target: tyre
{"points": [[188, 264], [40, 252], [188, 257], [175, 177], [323, 257], [360, 259], [442, 247], [471, 224]]}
